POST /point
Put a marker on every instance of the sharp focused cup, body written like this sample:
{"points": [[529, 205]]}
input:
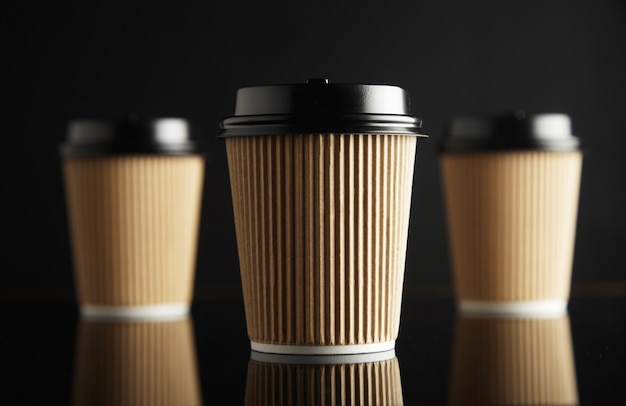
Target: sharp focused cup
{"points": [[511, 186], [133, 190], [321, 178]]}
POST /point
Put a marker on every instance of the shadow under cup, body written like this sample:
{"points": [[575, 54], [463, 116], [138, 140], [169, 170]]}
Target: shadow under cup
{"points": [[321, 215]]}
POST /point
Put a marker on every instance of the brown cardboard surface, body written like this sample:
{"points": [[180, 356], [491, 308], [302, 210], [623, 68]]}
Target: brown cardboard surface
{"points": [[512, 220], [134, 224], [322, 224]]}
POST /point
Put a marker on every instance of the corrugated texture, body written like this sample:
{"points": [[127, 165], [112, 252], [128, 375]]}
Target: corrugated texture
{"points": [[513, 362], [136, 364], [134, 225], [512, 220], [374, 383], [322, 225]]}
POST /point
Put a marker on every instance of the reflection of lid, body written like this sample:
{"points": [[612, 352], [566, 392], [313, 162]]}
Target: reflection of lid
{"points": [[516, 131], [320, 107], [130, 135]]}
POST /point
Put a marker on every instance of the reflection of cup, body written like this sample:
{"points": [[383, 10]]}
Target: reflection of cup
{"points": [[511, 188], [133, 193], [357, 379], [136, 363], [321, 177], [500, 361]]}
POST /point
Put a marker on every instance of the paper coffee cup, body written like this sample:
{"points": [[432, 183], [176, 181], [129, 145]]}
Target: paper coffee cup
{"points": [[133, 194], [361, 379], [136, 363], [515, 361], [511, 186], [321, 200]]}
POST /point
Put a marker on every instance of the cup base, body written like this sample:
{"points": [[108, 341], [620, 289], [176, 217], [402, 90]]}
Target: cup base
{"points": [[531, 308], [339, 359], [168, 311], [322, 349]]}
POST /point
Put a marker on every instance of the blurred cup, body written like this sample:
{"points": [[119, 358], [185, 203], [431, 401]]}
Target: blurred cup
{"points": [[136, 363], [355, 379], [514, 361], [321, 179], [511, 186], [133, 191]]}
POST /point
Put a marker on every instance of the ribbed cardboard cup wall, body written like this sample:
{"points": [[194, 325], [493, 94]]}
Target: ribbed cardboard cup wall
{"points": [[512, 220], [322, 224], [369, 383], [513, 362], [134, 225], [127, 363]]}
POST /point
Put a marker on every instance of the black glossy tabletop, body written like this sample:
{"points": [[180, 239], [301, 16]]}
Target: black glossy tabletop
{"points": [[51, 356]]}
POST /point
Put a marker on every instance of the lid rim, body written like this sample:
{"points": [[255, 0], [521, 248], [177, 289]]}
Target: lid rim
{"points": [[320, 123], [298, 133]]}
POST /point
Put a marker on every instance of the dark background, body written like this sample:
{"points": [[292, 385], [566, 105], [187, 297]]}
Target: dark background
{"points": [[65, 60]]}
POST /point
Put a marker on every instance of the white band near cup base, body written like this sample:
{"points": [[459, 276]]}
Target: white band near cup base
{"points": [[322, 349], [167, 311], [322, 359], [531, 308]]}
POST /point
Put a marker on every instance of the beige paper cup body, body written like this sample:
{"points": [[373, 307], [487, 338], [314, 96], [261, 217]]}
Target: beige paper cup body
{"points": [[134, 225], [513, 362], [511, 222], [363, 383], [322, 224], [136, 363]]}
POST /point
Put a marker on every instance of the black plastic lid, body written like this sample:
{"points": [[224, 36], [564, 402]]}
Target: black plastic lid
{"points": [[515, 131], [318, 106], [129, 135]]}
